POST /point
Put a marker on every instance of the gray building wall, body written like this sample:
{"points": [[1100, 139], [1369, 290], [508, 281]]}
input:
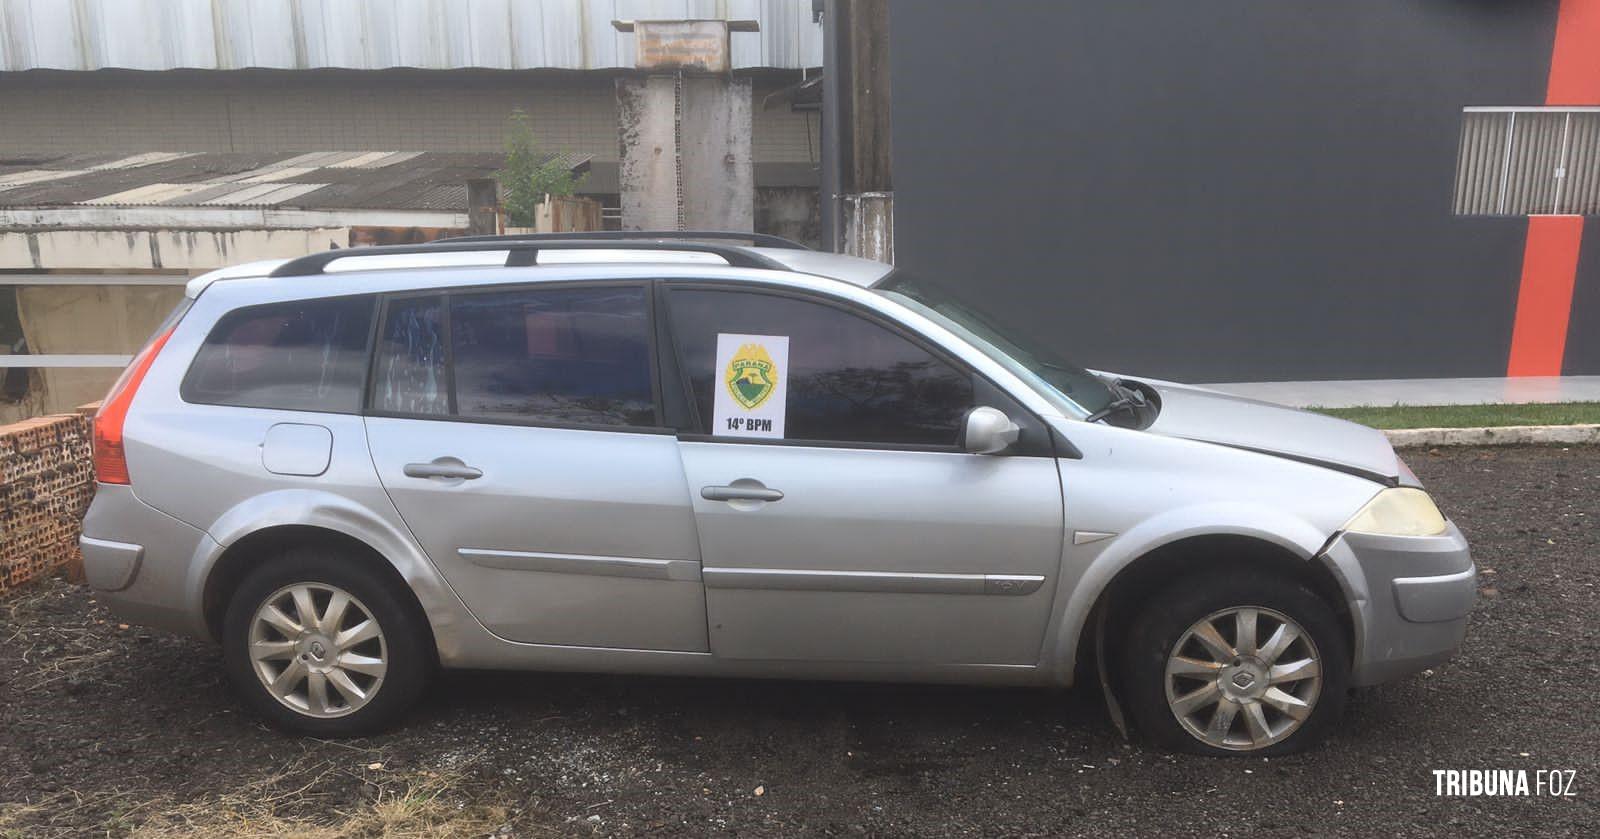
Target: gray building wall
{"points": [[1221, 191], [456, 110], [1583, 332]]}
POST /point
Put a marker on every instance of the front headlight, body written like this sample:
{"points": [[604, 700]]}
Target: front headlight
{"points": [[1399, 511]]}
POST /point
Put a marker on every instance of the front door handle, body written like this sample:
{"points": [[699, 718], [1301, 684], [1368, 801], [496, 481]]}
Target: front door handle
{"points": [[740, 493], [444, 467]]}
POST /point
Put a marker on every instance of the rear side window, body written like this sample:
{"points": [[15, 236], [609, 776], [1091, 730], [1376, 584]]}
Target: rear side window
{"points": [[557, 355], [576, 355], [411, 377], [307, 355]]}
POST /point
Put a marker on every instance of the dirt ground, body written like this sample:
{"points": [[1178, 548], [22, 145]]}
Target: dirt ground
{"points": [[106, 730]]}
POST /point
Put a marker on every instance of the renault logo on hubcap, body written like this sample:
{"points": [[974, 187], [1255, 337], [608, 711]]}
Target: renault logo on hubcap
{"points": [[1243, 679], [318, 651]]}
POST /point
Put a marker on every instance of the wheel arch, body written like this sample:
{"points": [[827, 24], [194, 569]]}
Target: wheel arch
{"points": [[1118, 600], [239, 559], [266, 525]]}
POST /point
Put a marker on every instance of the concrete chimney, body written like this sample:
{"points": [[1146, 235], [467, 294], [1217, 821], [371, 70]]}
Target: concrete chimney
{"points": [[686, 161]]}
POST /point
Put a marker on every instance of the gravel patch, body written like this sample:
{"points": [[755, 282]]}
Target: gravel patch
{"points": [[103, 727]]}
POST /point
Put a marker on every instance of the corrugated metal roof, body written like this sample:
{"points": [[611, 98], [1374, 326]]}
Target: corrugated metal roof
{"points": [[20, 178], [351, 180], [376, 34], [263, 195], [146, 159], [147, 194]]}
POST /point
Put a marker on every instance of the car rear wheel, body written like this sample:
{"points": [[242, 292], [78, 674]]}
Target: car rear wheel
{"points": [[1236, 663], [317, 644]]}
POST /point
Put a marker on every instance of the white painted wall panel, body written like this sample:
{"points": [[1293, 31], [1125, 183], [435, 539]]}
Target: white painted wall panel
{"points": [[375, 34]]}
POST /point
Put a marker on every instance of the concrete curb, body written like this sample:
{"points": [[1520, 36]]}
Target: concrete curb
{"points": [[1510, 435]]}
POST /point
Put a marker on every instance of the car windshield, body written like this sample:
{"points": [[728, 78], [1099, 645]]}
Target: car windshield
{"points": [[1031, 359]]}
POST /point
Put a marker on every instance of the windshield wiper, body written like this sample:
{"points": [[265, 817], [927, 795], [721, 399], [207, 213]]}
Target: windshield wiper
{"points": [[1128, 399]]}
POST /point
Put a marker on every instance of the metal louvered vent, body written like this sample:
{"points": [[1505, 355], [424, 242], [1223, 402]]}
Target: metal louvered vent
{"points": [[1528, 161]]}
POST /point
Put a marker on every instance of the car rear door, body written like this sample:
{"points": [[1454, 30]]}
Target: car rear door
{"points": [[838, 520], [519, 434]]}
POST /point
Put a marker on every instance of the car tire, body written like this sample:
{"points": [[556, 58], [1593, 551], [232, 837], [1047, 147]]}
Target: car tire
{"points": [[1211, 692], [350, 674]]}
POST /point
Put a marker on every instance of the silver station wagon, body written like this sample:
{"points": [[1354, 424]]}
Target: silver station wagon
{"points": [[728, 455]]}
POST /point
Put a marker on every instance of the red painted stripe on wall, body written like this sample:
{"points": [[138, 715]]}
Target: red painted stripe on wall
{"points": [[1575, 59], [1550, 259], [1544, 303]]}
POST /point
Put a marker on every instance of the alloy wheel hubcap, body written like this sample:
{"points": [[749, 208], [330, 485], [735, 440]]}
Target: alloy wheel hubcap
{"points": [[318, 650], [1243, 678]]}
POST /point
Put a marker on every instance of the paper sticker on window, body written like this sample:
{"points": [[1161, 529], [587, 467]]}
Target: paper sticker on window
{"points": [[752, 392]]}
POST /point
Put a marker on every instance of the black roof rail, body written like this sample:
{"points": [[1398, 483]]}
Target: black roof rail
{"points": [[759, 240], [522, 252]]}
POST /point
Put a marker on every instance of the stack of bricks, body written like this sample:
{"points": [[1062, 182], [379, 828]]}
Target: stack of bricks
{"points": [[46, 482]]}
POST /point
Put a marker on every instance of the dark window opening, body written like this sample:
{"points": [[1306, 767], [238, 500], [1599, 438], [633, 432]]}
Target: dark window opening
{"points": [[15, 382], [579, 356], [410, 377], [558, 355], [850, 380], [308, 355]]}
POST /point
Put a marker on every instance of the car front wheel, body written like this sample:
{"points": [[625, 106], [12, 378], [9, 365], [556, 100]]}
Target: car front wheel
{"points": [[1235, 663]]}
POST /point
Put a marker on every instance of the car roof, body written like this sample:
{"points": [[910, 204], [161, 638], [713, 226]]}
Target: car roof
{"points": [[838, 266], [496, 252]]}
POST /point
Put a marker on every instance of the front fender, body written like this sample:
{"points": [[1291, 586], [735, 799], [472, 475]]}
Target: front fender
{"points": [[1089, 569], [337, 513]]}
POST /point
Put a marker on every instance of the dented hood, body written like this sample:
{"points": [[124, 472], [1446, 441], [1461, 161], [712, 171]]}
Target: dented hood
{"points": [[1211, 416]]}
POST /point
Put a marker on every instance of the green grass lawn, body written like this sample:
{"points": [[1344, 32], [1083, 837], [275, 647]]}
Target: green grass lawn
{"points": [[1469, 416]]}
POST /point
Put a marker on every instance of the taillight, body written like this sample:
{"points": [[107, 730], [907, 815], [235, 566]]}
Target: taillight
{"points": [[110, 461]]}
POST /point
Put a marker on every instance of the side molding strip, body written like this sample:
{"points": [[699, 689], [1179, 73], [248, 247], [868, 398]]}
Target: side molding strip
{"points": [[885, 582], [684, 570]]}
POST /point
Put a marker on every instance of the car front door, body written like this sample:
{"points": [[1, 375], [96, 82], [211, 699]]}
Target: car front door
{"points": [[838, 520], [518, 434]]}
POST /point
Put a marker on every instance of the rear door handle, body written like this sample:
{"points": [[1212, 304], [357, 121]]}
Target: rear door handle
{"points": [[740, 493], [444, 467]]}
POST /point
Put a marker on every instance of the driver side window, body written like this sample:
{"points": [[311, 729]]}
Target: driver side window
{"points": [[850, 380]]}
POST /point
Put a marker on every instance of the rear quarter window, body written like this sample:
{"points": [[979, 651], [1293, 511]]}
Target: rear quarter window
{"points": [[305, 355]]}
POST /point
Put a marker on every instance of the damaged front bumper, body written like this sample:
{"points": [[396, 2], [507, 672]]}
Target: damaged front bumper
{"points": [[1409, 599]]}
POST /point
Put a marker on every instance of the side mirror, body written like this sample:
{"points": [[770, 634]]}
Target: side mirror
{"points": [[987, 431]]}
